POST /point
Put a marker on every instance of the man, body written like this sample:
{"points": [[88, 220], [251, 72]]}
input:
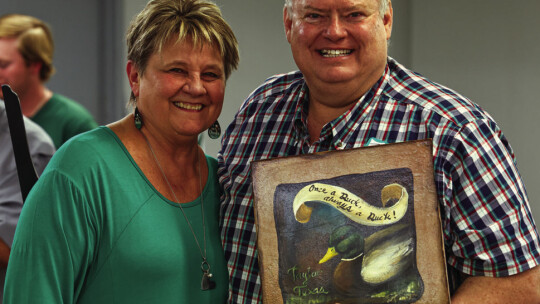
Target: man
{"points": [[350, 94], [26, 51], [41, 150]]}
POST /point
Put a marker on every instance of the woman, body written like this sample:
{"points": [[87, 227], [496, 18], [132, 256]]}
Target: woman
{"points": [[128, 213]]}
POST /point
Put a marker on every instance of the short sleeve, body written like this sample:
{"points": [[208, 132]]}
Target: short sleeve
{"points": [[492, 232], [53, 244]]}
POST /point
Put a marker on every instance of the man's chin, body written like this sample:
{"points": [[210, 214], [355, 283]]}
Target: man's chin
{"points": [[335, 77]]}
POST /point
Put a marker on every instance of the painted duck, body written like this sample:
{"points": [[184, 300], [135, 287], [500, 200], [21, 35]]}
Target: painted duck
{"points": [[367, 263]]}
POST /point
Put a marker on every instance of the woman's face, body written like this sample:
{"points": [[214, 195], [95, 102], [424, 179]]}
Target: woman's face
{"points": [[181, 90]]}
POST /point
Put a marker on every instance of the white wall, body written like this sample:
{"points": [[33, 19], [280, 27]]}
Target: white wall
{"points": [[264, 51], [488, 51]]}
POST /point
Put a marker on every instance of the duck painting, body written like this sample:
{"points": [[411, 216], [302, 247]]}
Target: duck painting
{"points": [[381, 266]]}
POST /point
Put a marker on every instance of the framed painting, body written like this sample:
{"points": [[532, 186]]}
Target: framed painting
{"points": [[353, 226]]}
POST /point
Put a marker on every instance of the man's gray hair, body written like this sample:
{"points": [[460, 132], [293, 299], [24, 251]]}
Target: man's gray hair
{"points": [[383, 6]]}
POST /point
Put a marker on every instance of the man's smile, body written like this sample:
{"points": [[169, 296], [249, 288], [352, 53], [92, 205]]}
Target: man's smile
{"points": [[334, 53]]}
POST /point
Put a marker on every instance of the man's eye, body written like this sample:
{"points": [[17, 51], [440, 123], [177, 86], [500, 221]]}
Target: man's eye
{"points": [[312, 16], [356, 15]]}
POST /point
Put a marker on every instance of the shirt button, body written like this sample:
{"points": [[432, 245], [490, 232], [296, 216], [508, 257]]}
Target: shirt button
{"points": [[339, 145]]}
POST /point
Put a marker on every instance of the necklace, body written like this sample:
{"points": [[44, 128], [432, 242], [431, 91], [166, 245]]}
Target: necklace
{"points": [[206, 281]]}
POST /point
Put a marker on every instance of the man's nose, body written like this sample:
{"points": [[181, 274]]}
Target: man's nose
{"points": [[335, 29]]}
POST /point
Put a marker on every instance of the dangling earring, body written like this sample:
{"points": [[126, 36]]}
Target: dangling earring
{"points": [[215, 130], [138, 119]]}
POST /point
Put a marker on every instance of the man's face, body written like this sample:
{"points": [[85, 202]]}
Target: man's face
{"points": [[13, 69], [340, 42]]}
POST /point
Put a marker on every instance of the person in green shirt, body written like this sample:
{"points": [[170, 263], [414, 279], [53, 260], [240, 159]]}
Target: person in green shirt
{"points": [[128, 212], [26, 53]]}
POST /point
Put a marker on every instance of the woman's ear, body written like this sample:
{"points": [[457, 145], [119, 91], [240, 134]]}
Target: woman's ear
{"points": [[133, 77]]}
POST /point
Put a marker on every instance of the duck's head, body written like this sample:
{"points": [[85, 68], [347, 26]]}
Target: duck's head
{"points": [[345, 241]]}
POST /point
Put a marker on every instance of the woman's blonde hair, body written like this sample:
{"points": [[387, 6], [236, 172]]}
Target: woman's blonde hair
{"points": [[34, 38], [199, 20]]}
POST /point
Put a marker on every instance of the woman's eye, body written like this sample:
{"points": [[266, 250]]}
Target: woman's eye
{"points": [[177, 70], [211, 76]]}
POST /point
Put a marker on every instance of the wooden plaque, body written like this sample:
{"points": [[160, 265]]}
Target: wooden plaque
{"points": [[353, 226]]}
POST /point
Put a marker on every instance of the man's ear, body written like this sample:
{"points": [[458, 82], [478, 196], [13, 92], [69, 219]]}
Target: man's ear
{"points": [[287, 22], [388, 19], [133, 77]]}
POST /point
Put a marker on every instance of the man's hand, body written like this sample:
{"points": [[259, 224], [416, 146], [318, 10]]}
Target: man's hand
{"points": [[520, 288]]}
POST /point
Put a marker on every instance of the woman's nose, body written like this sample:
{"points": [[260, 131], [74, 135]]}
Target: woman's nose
{"points": [[194, 86]]}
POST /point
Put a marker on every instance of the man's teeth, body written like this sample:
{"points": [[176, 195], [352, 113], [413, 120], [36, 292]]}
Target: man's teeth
{"points": [[188, 106], [335, 53]]}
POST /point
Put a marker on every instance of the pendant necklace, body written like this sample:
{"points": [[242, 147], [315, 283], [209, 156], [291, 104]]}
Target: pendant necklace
{"points": [[206, 282]]}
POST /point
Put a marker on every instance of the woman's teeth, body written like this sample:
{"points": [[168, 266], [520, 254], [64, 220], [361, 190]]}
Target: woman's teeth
{"points": [[188, 106]]}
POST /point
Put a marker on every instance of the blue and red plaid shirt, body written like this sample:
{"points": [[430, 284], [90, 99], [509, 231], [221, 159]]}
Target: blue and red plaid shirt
{"points": [[487, 223]]}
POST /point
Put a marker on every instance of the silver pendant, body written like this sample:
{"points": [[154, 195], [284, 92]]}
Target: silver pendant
{"points": [[207, 282]]}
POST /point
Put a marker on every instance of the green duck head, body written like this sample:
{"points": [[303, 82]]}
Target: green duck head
{"points": [[345, 241]]}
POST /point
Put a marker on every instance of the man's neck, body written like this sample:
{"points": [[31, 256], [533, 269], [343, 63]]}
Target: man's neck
{"points": [[319, 115], [329, 101], [33, 100], [325, 106]]}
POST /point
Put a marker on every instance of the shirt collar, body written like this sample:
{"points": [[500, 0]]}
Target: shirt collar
{"points": [[345, 127], [339, 130], [300, 115]]}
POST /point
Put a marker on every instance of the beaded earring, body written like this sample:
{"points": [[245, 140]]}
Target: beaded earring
{"points": [[215, 130], [138, 119]]}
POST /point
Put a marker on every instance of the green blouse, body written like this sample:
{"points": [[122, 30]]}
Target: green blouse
{"points": [[94, 230]]}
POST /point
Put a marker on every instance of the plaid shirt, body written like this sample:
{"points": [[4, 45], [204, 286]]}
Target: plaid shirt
{"points": [[487, 223]]}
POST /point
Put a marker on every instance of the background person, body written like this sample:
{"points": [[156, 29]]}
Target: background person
{"points": [[26, 63], [41, 150], [349, 93], [129, 212]]}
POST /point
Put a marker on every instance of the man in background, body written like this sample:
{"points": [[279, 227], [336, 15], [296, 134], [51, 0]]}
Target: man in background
{"points": [[26, 55], [41, 150], [348, 94]]}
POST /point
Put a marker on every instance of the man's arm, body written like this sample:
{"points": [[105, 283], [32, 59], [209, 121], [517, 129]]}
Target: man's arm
{"points": [[520, 288]]}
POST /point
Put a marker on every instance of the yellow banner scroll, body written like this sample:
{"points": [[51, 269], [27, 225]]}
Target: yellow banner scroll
{"points": [[351, 205]]}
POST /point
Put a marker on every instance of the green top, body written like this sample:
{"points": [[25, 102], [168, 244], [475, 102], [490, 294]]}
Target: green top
{"points": [[63, 118], [94, 230]]}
